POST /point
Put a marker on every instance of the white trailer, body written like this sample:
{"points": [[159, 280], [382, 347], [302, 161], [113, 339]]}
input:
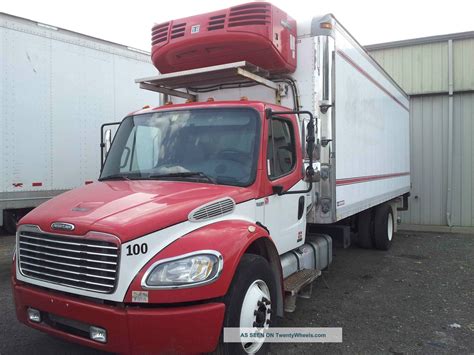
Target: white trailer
{"points": [[57, 87], [364, 122]]}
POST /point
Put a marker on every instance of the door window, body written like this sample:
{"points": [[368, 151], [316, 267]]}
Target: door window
{"points": [[281, 153]]}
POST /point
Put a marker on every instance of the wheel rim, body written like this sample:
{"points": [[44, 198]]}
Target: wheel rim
{"points": [[390, 227], [255, 313]]}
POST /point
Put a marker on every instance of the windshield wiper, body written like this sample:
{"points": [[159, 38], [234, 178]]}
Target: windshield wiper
{"points": [[187, 174], [115, 177]]}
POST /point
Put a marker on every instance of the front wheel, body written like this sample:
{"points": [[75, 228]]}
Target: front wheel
{"points": [[250, 303]]}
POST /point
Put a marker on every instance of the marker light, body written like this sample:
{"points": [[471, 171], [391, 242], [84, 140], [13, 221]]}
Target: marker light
{"points": [[326, 25]]}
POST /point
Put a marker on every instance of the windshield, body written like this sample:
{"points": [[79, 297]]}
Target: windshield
{"points": [[204, 145]]}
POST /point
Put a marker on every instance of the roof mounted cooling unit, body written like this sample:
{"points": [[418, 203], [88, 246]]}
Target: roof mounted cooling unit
{"points": [[256, 32]]}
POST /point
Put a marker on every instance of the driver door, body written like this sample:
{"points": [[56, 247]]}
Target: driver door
{"points": [[285, 215]]}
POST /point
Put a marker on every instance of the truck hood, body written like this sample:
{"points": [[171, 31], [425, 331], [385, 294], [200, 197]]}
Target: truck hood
{"points": [[129, 209]]}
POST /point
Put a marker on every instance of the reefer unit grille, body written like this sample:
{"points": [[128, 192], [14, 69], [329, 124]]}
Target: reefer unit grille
{"points": [[216, 22], [159, 33], [249, 15], [71, 261], [178, 30]]}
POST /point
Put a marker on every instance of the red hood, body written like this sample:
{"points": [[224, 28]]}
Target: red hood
{"points": [[129, 209]]}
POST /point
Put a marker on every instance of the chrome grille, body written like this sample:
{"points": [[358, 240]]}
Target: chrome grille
{"points": [[70, 261]]}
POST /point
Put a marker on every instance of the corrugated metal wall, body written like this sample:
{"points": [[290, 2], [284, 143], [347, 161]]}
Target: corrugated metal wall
{"points": [[464, 64], [418, 69], [422, 70]]}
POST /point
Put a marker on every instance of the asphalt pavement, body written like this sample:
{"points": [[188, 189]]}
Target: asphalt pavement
{"points": [[416, 298]]}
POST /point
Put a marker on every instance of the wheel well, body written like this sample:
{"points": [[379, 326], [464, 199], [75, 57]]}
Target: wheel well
{"points": [[265, 248], [258, 247]]}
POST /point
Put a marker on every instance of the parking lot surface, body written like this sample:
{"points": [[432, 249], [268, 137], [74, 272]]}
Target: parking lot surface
{"points": [[415, 298]]}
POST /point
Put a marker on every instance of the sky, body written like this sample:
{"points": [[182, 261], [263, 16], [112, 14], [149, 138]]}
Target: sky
{"points": [[129, 22]]}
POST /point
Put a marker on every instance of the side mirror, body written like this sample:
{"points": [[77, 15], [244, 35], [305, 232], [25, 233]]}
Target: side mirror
{"points": [[108, 140]]}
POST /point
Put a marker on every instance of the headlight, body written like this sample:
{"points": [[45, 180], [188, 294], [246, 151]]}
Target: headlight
{"points": [[186, 270]]}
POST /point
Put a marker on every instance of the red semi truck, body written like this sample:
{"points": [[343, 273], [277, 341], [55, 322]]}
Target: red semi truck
{"points": [[219, 207]]}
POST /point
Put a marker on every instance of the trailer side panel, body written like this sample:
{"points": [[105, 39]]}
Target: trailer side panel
{"points": [[372, 131]]}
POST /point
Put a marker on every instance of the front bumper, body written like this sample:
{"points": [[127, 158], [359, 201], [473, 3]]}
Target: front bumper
{"points": [[130, 329]]}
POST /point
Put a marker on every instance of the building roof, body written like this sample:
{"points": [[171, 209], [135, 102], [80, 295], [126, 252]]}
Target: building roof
{"points": [[420, 40]]}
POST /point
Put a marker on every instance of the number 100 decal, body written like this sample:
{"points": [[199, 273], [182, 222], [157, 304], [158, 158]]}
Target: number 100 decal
{"points": [[137, 249]]}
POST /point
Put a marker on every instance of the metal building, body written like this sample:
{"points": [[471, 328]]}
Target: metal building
{"points": [[438, 74]]}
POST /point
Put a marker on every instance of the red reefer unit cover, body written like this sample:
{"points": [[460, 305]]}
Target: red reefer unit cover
{"points": [[257, 32]]}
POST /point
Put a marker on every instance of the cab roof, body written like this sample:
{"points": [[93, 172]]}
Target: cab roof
{"points": [[258, 105]]}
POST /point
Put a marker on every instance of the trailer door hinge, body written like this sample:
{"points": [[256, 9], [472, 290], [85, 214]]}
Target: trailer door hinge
{"points": [[325, 171], [325, 141], [324, 106]]}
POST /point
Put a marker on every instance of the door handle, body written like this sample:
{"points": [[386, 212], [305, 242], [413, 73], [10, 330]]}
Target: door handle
{"points": [[300, 207]]}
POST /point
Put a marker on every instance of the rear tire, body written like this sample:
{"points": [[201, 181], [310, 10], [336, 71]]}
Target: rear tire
{"points": [[383, 227], [250, 302], [365, 230]]}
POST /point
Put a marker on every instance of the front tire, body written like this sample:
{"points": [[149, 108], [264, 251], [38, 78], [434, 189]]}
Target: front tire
{"points": [[384, 227], [250, 302]]}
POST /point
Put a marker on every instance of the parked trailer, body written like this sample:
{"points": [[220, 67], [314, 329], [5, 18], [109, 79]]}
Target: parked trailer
{"points": [[56, 88], [220, 207]]}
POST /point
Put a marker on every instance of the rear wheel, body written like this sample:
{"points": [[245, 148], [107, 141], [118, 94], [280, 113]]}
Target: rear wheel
{"points": [[383, 227], [250, 303]]}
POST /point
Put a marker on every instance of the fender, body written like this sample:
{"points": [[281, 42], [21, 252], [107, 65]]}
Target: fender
{"points": [[231, 238]]}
